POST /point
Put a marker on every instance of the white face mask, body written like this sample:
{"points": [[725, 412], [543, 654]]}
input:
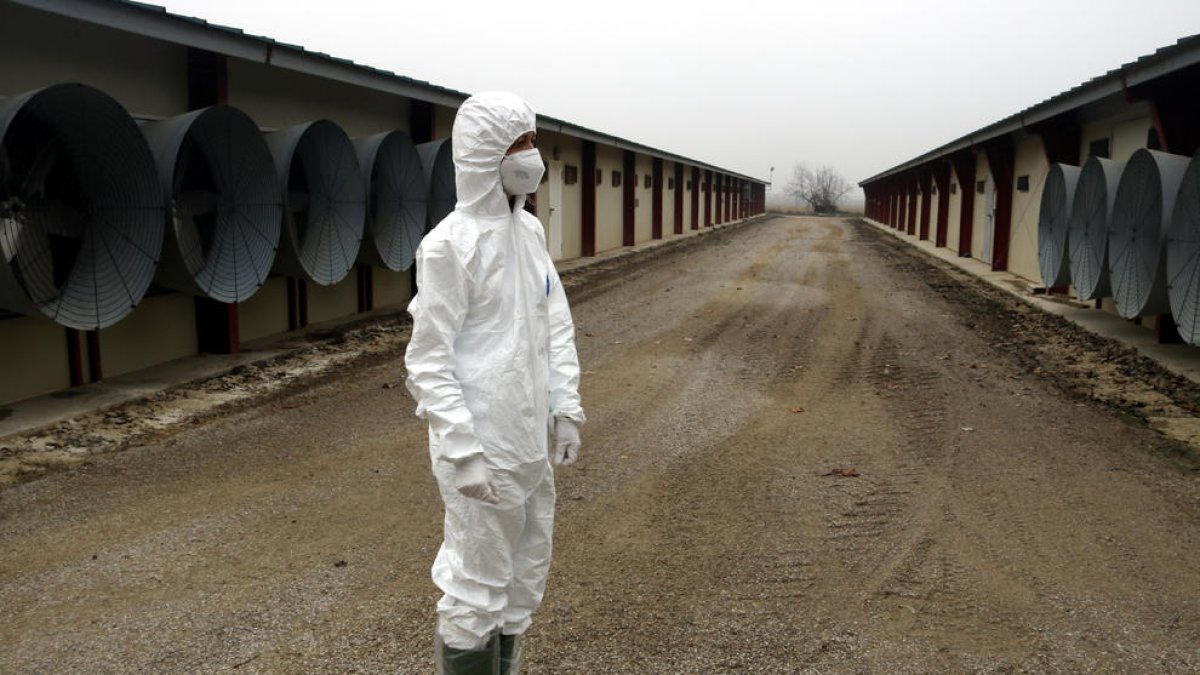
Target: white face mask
{"points": [[521, 172]]}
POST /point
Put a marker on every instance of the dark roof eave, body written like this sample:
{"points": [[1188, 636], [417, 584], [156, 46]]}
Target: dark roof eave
{"points": [[155, 22], [1141, 71], [557, 125]]}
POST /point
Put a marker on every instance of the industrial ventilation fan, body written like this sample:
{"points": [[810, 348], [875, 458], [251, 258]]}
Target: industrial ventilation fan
{"points": [[1144, 205], [1183, 256], [1087, 232], [396, 199], [81, 214], [438, 160], [224, 201], [324, 198], [1053, 220]]}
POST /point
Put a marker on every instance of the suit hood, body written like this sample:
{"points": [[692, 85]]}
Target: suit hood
{"points": [[487, 124]]}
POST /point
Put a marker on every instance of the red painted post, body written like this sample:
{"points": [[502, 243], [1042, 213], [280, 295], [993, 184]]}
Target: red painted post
{"points": [[297, 298], [628, 194], [95, 368], [208, 85], [964, 168], [727, 184], [74, 358], [911, 223], [677, 217], [925, 179], [714, 189], [587, 179], [656, 199], [365, 287], [1062, 140], [708, 201], [1174, 107], [1002, 160], [941, 176]]}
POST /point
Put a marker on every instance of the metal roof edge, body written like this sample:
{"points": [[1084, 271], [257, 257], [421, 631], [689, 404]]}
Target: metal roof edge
{"points": [[1185, 52], [570, 129], [156, 22]]}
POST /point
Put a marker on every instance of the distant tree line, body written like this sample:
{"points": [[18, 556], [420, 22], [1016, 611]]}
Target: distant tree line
{"points": [[821, 188]]}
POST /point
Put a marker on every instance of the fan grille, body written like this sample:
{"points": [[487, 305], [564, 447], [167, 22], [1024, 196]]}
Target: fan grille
{"points": [[219, 176], [438, 160], [1137, 229], [398, 197], [325, 201], [1053, 220], [1183, 256], [81, 212], [1087, 235]]}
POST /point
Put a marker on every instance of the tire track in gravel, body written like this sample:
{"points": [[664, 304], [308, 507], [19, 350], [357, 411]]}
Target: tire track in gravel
{"points": [[881, 512], [891, 527], [1018, 548], [935, 587], [722, 351]]}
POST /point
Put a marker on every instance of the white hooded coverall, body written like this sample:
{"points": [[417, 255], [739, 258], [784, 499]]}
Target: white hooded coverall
{"points": [[491, 363]]}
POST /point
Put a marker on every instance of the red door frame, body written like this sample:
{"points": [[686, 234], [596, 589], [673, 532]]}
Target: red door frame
{"points": [[964, 170], [677, 217], [925, 179], [628, 195], [898, 205], [727, 184], [910, 225], [941, 175], [656, 199], [708, 198], [714, 189], [1002, 161], [587, 222]]}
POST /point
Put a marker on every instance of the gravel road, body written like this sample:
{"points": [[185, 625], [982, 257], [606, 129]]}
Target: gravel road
{"points": [[810, 449]]}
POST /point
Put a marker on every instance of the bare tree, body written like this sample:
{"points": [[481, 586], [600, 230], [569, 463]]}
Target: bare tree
{"points": [[821, 188]]}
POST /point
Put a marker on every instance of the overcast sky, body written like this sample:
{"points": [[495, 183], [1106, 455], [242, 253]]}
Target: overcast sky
{"points": [[862, 85]]}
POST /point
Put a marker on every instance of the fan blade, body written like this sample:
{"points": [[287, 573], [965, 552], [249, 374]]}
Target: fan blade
{"points": [[297, 200], [8, 182], [55, 218], [33, 258], [197, 202], [34, 184], [181, 164], [12, 234]]}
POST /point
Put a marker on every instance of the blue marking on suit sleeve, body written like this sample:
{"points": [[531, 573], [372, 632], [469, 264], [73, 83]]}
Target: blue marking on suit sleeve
{"points": [[547, 285]]}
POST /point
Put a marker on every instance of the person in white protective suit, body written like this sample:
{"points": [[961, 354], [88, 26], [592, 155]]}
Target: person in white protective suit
{"points": [[493, 368]]}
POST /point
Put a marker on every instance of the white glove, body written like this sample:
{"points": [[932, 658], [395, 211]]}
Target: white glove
{"points": [[566, 441], [473, 479]]}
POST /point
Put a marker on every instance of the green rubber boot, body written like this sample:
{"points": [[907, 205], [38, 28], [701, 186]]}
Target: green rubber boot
{"points": [[451, 661], [510, 654]]}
